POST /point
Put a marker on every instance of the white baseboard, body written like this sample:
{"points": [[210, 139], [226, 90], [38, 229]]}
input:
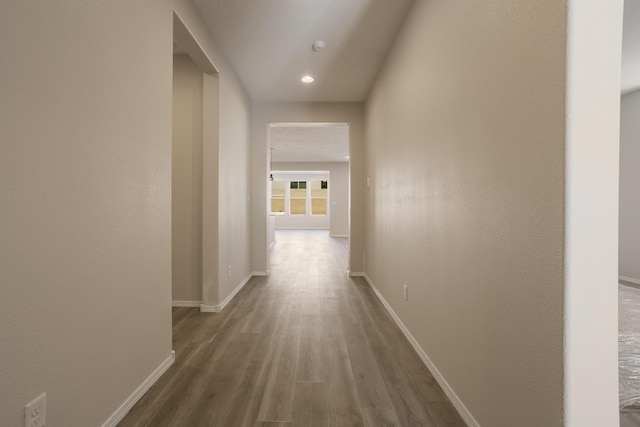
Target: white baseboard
{"points": [[120, 413], [338, 235], [262, 273], [209, 308], [455, 400], [356, 274], [629, 279], [218, 308], [186, 303], [233, 293]]}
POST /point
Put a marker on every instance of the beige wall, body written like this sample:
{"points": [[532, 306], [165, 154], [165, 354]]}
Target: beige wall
{"points": [[629, 265], [269, 112], [338, 193], [465, 148], [85, 228], [234, 207], [186, 176], [231, 159], [85, 161]]}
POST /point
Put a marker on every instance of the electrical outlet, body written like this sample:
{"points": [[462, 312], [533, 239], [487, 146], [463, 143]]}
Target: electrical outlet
{"points": [[229, 270], [406, 293], [35, 412]]}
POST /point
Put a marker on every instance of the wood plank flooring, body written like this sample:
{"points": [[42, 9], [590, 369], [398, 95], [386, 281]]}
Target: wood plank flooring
{"points": [[630, 417], [306, 346]]}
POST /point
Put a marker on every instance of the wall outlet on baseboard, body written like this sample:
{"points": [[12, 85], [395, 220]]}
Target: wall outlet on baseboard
{"points": [[405, 292], [35, 412]]}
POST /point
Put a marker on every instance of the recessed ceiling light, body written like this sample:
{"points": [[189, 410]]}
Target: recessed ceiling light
{"points": [[307, 79], [346, 157]]}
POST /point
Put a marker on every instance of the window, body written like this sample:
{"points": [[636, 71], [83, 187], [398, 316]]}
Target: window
{"points": [[278, 189], [298, 198], [319, 194]]}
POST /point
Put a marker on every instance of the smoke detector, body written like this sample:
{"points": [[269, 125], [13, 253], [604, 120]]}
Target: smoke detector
{"points": [[318, 46]]}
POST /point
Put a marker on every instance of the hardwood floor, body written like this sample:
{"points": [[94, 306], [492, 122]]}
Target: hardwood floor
{"points": [[630, 417], [306, 346]]}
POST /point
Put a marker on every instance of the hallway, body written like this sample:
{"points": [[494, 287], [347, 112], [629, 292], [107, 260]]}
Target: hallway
{"points": [[307, 346]]}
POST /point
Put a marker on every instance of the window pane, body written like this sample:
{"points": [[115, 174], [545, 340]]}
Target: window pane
{"points": [[302, 184], [317, 189], [294, 184], [277, 204], [298, 206], [319, 206], [298, 193], [278, 188]]}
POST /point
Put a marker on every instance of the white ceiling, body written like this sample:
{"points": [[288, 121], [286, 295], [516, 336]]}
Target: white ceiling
{"points": [[309, 142], [268, 42], [631, 47]]}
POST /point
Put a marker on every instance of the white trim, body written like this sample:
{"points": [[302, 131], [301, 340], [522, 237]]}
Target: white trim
{"points": [[455, 400], [218, 308], [209, 308], [629, 279], [338, 235], [176, 303], [120, 413], [262, 273], [233, 293], [356, 274]]}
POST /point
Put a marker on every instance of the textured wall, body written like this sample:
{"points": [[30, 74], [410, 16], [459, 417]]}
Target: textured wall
{"points": [[186, 180], [229, 165], [465, 152], [85, 229], [85, 223], [491, 143]]}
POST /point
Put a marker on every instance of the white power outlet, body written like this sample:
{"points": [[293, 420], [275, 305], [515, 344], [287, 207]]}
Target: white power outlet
{"points": [[229, 270], [406, 293], [35, 412]]}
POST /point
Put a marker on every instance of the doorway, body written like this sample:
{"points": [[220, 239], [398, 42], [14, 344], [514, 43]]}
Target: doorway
{"points": [[309, 186]]}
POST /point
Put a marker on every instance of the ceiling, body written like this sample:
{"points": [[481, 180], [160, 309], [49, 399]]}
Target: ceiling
{"points": [[269, 43], [309, 142], [631, 47]]}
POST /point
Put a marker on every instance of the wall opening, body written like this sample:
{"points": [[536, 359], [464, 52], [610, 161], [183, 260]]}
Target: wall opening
{"points": [[309, 164], [194, 172]]}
